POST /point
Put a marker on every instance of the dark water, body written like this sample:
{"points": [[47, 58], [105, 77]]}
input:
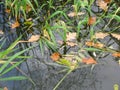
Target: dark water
{"points": [[45, 75]]}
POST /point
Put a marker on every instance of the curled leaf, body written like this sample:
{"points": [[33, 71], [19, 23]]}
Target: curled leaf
{"points": [[34, 38], [55, 56], [89, 61]]}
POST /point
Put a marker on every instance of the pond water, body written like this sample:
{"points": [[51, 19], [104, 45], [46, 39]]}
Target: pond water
{"points": [[45, 76]]}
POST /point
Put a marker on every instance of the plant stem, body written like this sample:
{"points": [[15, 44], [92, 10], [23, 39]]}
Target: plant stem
{"points": [[62, 79]]}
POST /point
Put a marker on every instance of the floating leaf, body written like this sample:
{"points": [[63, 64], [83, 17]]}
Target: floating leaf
{"points": [[34, 38], [103, 4], [55, 56], [71, 36], [15, 25], [91, 20], [101, 35], [97, 45], [116, 54], [89, 61], [73, 14]]}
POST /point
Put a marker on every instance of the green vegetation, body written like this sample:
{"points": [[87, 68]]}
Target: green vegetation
{"points": [[62, 25]]}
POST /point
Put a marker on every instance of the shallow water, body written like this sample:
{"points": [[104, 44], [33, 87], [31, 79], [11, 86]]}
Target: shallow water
{"points": [[46, 76]]}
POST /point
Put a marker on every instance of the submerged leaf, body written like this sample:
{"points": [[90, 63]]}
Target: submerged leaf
{"points": [[91, 20], [55, 56], [89, 61], [101, 35], [15, 25], [71, 36], [103, 4], [34, 38]]}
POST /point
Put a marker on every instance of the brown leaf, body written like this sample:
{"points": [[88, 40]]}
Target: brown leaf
{"points": [[103, 4], [107, 1], [117, 36], [97, 45], [8, 11], [71, 36], [14, 25], [55, 56], [34, 38], [116, 54], [89, 61], [72, 44], [101, 35], [91, 20]]}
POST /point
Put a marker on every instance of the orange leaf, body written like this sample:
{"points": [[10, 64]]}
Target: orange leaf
{"points": [[55, 56], [34, 38], [14, 25], [91, 20], [89, 61], [116, 54]]}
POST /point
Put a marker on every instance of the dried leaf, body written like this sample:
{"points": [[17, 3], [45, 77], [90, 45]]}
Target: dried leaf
{"points": [[72, 44], [116, 54], [107, 1], [101, 35], [14, 25], [34, 38], [71, 36], [91, 20], [28, 8], [97, 45], [73, 14], [46, 34], [117, 36], [89, 61], [103, 4], [55, 56], [1, 32]]}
